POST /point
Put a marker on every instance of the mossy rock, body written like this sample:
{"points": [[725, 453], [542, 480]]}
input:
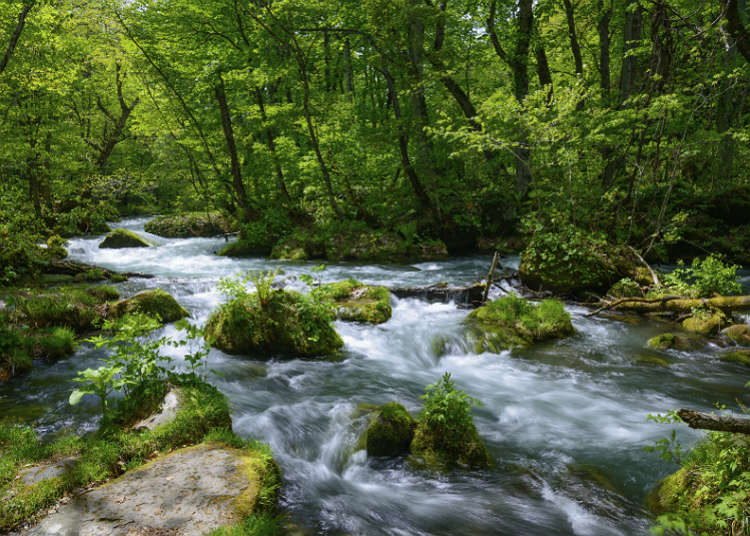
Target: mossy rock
{"points": [[738, 356], [625, 288], [570, 261], [123, 238], [53, 343], [289, 251], [383, 246], [676, 341], [665, 497], [152, 302], [390, 432], [706, 323], [738, 333], [104, 293], [244, 248], [652, 360], [428, 449], [287, 323], [357, 302], [90, 275], [191, 224], [511, 322]]}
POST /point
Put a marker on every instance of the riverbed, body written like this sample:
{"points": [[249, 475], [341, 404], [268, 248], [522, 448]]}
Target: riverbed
{"points": [[565, 422]]}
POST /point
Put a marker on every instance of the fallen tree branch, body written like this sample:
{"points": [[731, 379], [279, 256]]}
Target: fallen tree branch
{"points": [[74, 268], [718, 423], [647, 265], [615, 304]]}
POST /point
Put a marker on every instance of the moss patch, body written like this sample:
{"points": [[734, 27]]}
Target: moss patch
{"points": [[200, 224], [738, 333], [511, 322], [390, 432], [738, 356], [244, 248], [154, 302], [357, 302], [122, 238], [676, 341], [289, 323], [705, 323]]}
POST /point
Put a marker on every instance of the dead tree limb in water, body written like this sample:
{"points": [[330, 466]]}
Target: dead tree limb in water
{"points": [[675, 304], [489, 277], [718, 423]]}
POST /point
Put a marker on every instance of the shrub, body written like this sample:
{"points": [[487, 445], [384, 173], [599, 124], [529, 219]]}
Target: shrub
{"points": [[703, 278]]}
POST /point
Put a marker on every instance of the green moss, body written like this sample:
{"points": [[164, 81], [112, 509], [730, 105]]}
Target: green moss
{"points": [[738, 356], [288, 323], [390, 432], [428, 448], [201, 224], [123, 238], [117, 278], [510, 322], [15, 358], [652, 360], [625, 288], [90, 275], [357, 302], [154, 302], [103, 293], [705, 322], [738, 333], [676, 341], [244, 248], [290, 251], [56, 247], [73, 308], [54, 343], [102, 455]]}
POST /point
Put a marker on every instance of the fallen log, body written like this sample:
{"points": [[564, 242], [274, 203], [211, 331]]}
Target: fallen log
{"points": [[469, 296], [718, 423], [73, 268], [675, 304]]}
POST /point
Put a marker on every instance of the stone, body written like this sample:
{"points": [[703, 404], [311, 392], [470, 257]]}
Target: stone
{"points": [[45, 471], [123, 238], [739, 333], [189, 492], [390, 432], [152, 302], [356, 302], [166, 413], [676, 341], [706, 323]]}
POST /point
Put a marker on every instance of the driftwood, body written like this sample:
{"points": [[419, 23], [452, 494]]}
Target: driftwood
{"points": [[654, 277], [675, 304], [718, 423], [489, 277], [74, 268]]}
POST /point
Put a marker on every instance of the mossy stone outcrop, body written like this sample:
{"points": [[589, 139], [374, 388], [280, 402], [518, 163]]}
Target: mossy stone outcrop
{"points": [[572, 262], [123, 238], [625, 288], [153, 302], [738, 333], [511, 322], [286, 322], [665, 496], [191, 224], [738, 356], [676, 341], [390, 432], [433, 449], [705, 323], [357, 302]]}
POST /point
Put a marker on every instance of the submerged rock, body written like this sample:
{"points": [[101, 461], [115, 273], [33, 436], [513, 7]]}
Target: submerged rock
{"points": [[676, 341], [123, 238], [190, 224], [511, 322], [152, 302], [390, 432], [189, 492], [287, 322], [355, 301], [739, 333]]}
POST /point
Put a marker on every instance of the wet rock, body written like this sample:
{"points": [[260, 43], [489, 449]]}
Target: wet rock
{"points": [[738, 356], [390, 432], [188, 492], [355, 301], [676, 341], [738, 333], [512, 322], [122, 238], [664, 497], [48, 470], [166, 413], [652, 360], [191, 224], [153, 302], [706, 323]]}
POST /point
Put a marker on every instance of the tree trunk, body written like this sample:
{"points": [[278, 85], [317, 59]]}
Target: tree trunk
{"points": [[15, 35], [574, 46], [735, 26], [631, 40], [348, 67]]}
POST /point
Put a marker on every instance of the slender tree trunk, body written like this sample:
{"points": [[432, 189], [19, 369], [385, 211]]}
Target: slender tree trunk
{"points": [[15, 35], [604, 47], [631, 39], [733, 11], [271, 144], [574, 46], [348, 67]]}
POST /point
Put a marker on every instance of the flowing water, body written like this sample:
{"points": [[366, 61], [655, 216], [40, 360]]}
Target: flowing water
{"points": [[565, 422]]}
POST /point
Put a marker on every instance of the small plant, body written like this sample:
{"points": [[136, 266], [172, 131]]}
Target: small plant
{"points": [[669, 447], [703, 278], [235, 287]]}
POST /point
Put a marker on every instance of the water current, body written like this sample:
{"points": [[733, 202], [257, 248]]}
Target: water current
{"points": [[565, 422]]}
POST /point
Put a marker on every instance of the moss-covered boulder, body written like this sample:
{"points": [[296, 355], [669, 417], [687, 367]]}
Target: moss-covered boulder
{"points": [[153, 302], [665, 497], [244, 248], [625, 288], [381, 246], [511, 322], [123, 238], [390, 432], [737, 356], [705, 323], [355, 301], [676, 341], [570, 261], [738, 333], [283, 322], [289, 250], [191, 224], [433, 449]]}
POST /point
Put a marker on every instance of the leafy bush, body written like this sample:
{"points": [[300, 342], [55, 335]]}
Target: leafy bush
{"points": [[703, 278]]}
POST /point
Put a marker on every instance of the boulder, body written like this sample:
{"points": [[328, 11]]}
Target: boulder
{"points": [[739, 333], [122, 238], [152, 302], [665, 496], [189, 492], [244, 248], [355, 301], [511, 322], [676, 341], [625, 288], [433, 449], [191, 224], [166, 412], [705, 323], [390, 432], [738, 356], [287, 323]]}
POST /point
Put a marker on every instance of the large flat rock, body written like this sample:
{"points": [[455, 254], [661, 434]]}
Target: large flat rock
{"points": [[187, 493]]}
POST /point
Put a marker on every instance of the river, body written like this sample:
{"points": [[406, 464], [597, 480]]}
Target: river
{"points": [[566, 422]]}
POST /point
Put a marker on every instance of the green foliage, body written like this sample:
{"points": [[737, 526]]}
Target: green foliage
{"points": [[354, 301], [703, 278]]}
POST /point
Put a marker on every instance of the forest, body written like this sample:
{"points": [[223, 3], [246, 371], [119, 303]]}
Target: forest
{"points": [[590, 156]]}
